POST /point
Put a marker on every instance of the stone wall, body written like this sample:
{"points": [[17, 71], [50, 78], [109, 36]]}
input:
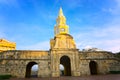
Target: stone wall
{"points": [[105, 60], [15, 62]]}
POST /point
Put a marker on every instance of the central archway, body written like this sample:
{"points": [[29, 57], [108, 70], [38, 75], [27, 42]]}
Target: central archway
{"points": [[65, 61], [93, 67], [29, 70]]}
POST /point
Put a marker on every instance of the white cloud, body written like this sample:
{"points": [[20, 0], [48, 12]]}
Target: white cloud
{"points": [[112, 45], [115, 10], [107, 37], [88, 47], [38, 46], [61, 67], [118, 2], [35, 67], [107, 45]]}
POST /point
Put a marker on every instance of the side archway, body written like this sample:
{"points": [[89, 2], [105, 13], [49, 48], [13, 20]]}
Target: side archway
{"points": [[29, 71], [65, 61], [93, 68]]}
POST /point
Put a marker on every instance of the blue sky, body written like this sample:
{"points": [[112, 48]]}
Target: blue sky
{"points": [[30, 23]]}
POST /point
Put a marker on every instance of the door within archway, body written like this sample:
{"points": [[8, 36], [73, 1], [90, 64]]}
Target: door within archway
{"points": [[93, 67], [65, 61], [30, 71]]}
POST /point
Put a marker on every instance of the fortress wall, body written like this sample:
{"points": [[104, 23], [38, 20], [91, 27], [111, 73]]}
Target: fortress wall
{"points": [[24, 54], [103, 59], [96, 54], [15, 62]]}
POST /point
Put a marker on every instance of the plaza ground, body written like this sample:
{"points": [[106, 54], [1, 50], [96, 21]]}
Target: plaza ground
{"points": [[93, 77]]}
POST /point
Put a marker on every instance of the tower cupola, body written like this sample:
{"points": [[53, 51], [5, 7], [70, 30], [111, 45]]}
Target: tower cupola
{"points": [[61, 27]]}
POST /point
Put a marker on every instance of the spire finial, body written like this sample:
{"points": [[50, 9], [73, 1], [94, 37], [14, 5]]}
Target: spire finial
{"points": [[60, 12]]}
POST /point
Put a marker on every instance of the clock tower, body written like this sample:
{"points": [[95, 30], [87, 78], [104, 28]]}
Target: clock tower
{"points": [[63, 49], [62, 38], [61, 27]]}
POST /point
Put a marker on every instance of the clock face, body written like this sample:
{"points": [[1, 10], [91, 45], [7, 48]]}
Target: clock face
{"points": [[62, 29]]}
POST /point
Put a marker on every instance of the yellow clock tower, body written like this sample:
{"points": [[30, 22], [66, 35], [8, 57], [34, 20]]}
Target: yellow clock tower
{"points": [[62, 38], [61, 27]]}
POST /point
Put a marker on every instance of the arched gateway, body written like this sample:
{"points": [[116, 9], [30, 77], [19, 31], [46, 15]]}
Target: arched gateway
{"points": [[65, 61], [93, 67], [29, 70]]}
